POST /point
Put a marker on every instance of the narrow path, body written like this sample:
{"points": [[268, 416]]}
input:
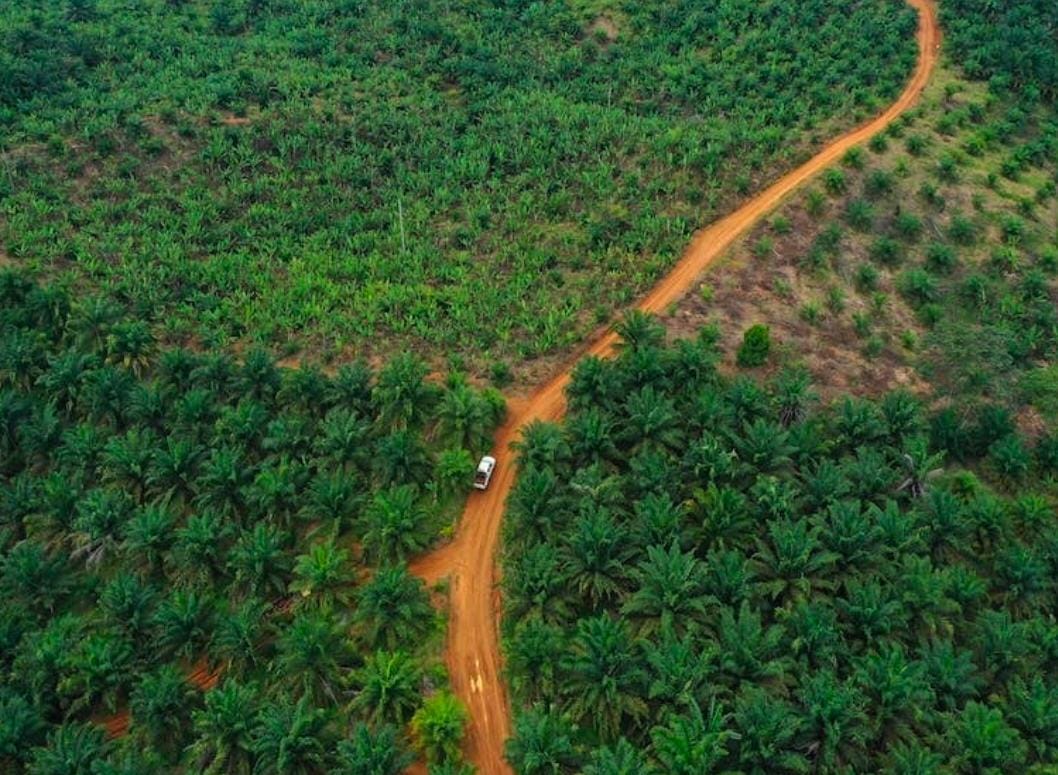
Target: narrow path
{"points": [[473, 653]]}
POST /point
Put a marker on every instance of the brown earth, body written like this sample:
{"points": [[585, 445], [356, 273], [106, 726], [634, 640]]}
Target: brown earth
{"points": [[473, 652]]}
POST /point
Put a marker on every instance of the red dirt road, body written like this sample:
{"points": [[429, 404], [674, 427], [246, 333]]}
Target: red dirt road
{"points": [[473, 653]]}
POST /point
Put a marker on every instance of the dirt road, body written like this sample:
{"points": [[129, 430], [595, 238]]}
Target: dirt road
{"points": [[473, 653]]}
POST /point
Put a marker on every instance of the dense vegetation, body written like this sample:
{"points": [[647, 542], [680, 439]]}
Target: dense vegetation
{"points": [[707, 574], [160, 508], [1012, 43], [383, 174]]}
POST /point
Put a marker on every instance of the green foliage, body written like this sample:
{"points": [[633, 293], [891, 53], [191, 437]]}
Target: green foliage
{"points": [[377, 177], [438, 727], [778, 588], [1009, 44], [755, 347], [173, 505]]}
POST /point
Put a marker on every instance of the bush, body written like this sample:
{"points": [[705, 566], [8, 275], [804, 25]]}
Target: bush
{"points": [[940, 258], [1010, 458], [854, 158], [860, 215], [755, 347], [866, 278], [916, 145], [962, 230], [918, 287], [887, 251], [834, 182], [908, 226], [878, 183], [815, 203]]}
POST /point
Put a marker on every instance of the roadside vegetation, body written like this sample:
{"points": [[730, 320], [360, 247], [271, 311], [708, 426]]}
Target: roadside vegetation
{"points": [[467, 178], [716, 574], [172, 521]]}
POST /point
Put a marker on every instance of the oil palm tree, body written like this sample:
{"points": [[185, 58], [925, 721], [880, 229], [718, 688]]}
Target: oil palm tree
{"points": [[130, 344], [438, 727], [21, 728], [604, 684], [464, 419], [128, 603], [720, 515], [768, 730], [224, 480], [259, 560], [258, 377], [148, 537], [65, 376], [310, 654], [161, 705], [833, 720], [692, 742], [750, 650], [105, 394], [305, 389], [593, 383], [127, 460], [595, 556], [763, 446], [542, 743], [184, 623], [240, 635], [402, 393], [669, 591], [34, 578], [290, 738], [223, 728], [323, 576], [174, 469], [371, 750], [638, 329], [542, 446], [533, 651], [793, 396], [402, 458], [350, 388], [592, 436], [792, 562], [895, 687], [387, 688], [651, 422], [101, 515], [345, 439], [392, 525], [534, 511], [331, 498], [620, 758], [71, 749], [199, 550], [393, 608], [98, 672]]}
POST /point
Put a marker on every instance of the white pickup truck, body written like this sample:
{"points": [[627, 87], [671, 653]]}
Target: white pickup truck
{"points": [[483, 475]]}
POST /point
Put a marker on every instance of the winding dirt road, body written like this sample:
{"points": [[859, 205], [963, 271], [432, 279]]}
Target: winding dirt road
{"points": [[473, 653]]}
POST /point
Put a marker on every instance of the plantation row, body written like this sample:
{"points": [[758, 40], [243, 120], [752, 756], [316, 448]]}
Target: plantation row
{"points": [[708, 574], [366, 176], [161, 507]]}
